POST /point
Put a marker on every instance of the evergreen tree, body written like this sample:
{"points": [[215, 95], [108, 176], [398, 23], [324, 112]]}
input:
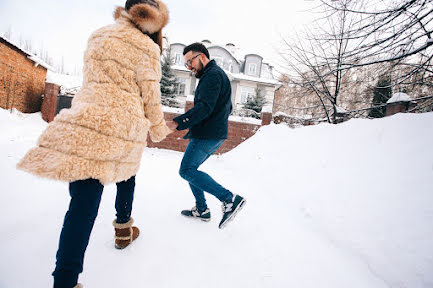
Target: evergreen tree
{"points": [[168, 80], [381, 93], [257, 102]]}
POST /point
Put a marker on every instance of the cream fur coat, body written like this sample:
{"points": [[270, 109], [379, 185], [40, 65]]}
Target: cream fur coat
{"points": [[103, 134]]}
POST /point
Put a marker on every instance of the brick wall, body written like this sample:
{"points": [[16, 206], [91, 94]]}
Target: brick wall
{"points": [[238, 133], [21, 83]]}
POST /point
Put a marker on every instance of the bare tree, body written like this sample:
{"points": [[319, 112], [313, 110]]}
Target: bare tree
{"points": [[8, 33], [318, 56], [386, 35]]}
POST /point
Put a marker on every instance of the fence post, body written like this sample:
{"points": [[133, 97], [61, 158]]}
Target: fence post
{"points": [[266, 115], [399, 107], [49, 104]]}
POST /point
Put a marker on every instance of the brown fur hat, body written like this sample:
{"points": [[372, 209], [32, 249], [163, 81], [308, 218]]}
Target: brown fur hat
{"points": [[150, 16]]}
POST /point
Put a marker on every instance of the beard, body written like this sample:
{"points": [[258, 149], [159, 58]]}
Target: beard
{"points": [[199, 72]]}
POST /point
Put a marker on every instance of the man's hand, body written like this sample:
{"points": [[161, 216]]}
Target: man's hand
{"points": [[172, 125]]}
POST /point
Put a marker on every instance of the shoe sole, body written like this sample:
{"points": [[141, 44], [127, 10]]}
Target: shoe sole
{"points": [[231, 217], [198, 218]]}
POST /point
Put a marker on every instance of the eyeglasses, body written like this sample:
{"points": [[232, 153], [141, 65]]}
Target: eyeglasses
{"points": [[188, 63]]}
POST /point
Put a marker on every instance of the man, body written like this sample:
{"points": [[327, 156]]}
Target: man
{"points": [[207, 122]]}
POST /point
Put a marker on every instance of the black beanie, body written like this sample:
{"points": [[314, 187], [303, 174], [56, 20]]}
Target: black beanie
{"points": [[130, 3]]}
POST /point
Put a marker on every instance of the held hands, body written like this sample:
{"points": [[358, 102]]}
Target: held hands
{"points": [[172, 125]]}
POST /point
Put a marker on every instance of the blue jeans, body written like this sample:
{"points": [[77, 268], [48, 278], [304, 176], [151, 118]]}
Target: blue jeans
{"points": [[198, 151], [78, 224]]}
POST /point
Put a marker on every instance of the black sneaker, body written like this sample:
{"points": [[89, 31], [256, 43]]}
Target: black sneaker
{"points": [[203, 216], [230, 209]]}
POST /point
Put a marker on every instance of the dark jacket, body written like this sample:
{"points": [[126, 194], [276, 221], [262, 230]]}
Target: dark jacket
{"points": [[208, 119]]}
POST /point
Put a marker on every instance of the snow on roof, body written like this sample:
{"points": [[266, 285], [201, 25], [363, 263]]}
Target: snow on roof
{"points": [[232, 53], [180, 68], [31, 56], [239, 76], [65, 81], [339, 109], [399, 97], [267, 109]]}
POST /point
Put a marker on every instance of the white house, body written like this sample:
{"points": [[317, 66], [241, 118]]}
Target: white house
{"points": [[246, 75]]}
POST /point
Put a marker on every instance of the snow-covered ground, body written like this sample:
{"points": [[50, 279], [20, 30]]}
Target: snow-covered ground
{"points": [[348, 205]]}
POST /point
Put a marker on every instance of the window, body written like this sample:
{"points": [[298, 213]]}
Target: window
{"points": [[178, 59], [252, 69], [231, 66], [246, 93], [180, 86], [218, 60]]}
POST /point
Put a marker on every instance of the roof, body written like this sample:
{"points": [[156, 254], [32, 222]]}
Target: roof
{"points": [[239, 76], [31, 56], [228, 51], [399, 97]]}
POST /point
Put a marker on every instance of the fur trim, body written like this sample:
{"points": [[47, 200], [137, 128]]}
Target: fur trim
{"points": [[148, 18], [123, 225]]}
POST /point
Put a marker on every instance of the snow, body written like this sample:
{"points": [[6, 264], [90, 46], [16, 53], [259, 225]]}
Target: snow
{"points": [[399, 97], [173, 109], [248, 120], [347, 205], [31, 56], [190, 98], [340, 110], [267, 109], [66, 81]]}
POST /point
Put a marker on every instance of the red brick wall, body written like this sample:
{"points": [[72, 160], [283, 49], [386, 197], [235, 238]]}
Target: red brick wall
{"points": [[21, 83], [238, 133]]}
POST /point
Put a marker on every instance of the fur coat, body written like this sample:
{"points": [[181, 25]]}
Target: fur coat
{"points": [[103, 134]]}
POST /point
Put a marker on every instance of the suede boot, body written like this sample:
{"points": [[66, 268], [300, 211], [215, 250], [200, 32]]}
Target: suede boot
{"points": [[78, 286], [125, 233]]}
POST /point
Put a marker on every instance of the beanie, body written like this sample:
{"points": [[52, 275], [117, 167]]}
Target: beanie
{"points": [[130, 3]]}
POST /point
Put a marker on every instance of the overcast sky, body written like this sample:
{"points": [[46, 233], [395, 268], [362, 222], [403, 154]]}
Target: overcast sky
{"points": [[63, 27]]}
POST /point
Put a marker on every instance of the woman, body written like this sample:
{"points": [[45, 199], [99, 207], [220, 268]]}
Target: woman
{"points": [[100, 139]]}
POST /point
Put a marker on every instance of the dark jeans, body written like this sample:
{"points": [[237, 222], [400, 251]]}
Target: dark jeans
{"points": [[198, 151], [78, 224]]}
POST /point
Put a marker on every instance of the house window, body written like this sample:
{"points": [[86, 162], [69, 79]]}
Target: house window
{"points": [[218, 60], [180, 86], [178, 59], [246, 93], [231, 66], [252, 69]]}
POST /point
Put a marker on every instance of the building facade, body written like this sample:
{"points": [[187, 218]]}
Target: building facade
{"points": [[248, 76], [22, 78]]}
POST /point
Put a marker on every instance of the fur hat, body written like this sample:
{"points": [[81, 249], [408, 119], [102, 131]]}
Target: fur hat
{"points": [[150, 16]]}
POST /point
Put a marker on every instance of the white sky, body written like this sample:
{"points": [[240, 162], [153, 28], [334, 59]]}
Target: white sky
{"points": [[63, 27]]}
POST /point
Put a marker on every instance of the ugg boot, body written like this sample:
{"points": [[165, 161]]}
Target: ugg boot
{"points": [[78, 286], [125, 233]]}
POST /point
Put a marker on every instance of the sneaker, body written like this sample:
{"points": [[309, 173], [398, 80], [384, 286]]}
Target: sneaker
{"points": [[230, 209], [194, 213]]}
